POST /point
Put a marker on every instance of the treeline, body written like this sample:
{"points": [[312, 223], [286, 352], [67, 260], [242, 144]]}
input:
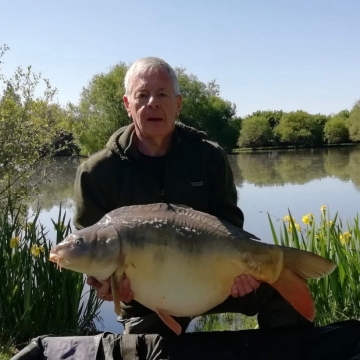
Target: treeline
{"points": [[299, 128]]}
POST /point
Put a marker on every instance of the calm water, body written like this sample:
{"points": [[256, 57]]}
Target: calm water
{"points": [[267, 182]]}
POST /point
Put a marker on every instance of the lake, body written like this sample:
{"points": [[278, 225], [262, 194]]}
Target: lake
{"points": [[267, 182]]}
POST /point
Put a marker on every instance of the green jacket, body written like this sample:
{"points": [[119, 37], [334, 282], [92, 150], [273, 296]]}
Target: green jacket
{"points": [[197, 174]]}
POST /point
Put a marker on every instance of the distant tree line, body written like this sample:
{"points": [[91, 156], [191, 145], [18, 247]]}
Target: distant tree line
{"points": [[299, 128]]}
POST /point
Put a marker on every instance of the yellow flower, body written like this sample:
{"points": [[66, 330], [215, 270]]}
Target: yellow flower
{"points": [[287, 218], [345, 237], [14, 242], [308, 218], [331, 222], [323, 208], [36, 250], [297, 226]]}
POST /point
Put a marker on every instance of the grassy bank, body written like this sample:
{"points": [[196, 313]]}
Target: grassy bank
{"points": [[271, 148]]}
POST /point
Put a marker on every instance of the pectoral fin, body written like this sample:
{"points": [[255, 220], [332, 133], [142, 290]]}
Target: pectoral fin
{"points": [[169, 321], [115, 279]]}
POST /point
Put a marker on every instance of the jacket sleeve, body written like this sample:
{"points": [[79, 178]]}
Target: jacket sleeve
{"points": [[91, 202], [223, 195]]}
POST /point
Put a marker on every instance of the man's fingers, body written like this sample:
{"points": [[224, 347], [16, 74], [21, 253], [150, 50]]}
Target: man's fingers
{"points": [[93, 282], [244, 284], [124, 290], [253, 282], [103, 289]]}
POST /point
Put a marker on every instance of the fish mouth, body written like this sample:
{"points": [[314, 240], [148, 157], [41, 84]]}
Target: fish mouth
{"points": [[55, 258]]}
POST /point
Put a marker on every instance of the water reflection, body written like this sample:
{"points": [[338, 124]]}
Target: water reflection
{"points": [[280, 167], [263, 169]]}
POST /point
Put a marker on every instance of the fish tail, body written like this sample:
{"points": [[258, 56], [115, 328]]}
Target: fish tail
{"points": [[296, 292], [299, 265], [306, 264]]}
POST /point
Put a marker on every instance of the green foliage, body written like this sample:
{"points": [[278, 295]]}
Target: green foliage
{"points": [[100, 111], [336, 131], [272, 117], [33, 289], [255, 132], [337, 296], [301, 129], [28, 126], [343, 114], [224, 322], [204, 109], [354, 122]]}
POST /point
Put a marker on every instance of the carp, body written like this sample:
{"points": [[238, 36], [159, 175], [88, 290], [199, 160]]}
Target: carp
{"points": [[183, 262]]}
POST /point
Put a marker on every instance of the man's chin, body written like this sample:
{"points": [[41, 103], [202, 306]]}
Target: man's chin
{"points": [[157, 129]]}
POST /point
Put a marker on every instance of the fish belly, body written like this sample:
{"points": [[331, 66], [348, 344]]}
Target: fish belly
{"points": [[178, 283]]}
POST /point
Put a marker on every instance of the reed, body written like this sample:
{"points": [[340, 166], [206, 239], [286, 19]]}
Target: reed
{"points": [[337, 296], [35, 297]]}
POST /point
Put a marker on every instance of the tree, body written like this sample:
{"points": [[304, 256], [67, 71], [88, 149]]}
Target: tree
{"points": [[354, 122], [255, 132], [343, 114], [204, 109], [28, 126], [100, 111], [272, 117], [336, 131], [300, 128]]}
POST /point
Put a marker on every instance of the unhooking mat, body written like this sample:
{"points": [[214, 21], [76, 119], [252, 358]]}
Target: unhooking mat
{"points": [[337, 341]]}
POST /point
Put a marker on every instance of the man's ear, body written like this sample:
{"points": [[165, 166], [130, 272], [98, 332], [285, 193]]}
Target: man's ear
{"points": [[126, 104], [179, 103]]}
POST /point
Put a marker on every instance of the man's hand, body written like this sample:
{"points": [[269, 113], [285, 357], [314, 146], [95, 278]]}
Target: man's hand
{"points": [[103, 289], [243, 285]]}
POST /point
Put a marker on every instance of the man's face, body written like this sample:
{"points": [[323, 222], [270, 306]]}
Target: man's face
{"points": [[153, 105]]}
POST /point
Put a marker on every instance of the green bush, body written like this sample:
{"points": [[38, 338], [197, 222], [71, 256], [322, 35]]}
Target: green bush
{"points": [[255, 132], [336, 131], [36, 298]]}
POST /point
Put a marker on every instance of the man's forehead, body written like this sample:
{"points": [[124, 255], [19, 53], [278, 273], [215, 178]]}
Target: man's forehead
{"points": [[157, 78]]}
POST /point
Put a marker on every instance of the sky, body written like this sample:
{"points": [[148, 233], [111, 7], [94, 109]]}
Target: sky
{"points": [[265, 54]]}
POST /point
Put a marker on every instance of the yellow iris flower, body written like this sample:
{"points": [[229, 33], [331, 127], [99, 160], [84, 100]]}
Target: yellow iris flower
{"points": [[36, 250], [14, 242]]}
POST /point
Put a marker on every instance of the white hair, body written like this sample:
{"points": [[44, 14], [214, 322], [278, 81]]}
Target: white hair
{"points": [[147, 65]]}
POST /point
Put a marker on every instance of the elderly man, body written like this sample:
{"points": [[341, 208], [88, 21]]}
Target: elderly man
{"points": [[156, 159]]}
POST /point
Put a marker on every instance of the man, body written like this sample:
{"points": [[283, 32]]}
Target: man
{"points": [[156, 159]]}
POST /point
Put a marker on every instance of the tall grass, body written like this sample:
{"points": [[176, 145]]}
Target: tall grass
{"points": [[35, 297], [337, 296]]}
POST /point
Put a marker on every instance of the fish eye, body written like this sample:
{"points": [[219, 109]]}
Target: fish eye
{"points": [[79, 241]]}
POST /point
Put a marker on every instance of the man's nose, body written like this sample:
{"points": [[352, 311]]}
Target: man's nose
{"points": [[153, 102]]}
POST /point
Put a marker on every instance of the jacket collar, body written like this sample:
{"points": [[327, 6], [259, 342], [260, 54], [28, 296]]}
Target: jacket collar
{"points": [[122, 141]]}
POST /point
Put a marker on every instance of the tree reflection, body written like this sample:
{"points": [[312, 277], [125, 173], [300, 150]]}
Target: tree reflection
{"points": [[58, 186], [271, 168], [280, 167]]}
